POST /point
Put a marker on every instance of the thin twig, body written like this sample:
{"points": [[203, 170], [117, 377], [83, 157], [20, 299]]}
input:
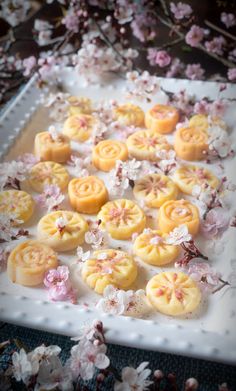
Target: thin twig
{"points": [[224, 283], [223, 32]]}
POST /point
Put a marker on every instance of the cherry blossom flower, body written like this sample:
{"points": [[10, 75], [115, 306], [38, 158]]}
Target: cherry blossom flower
{"points": [[28, 159], [208, 198], [59, 286], [46, 68], [96, 236], [71, 21], [215, 223], [114, 301], [44, 37], [7, 230], [54, 132], [141, 86], [58, 104], [81, 255], [52, 375], [167, 160], [124, 14], [194, 36], [12, 173], [176, 68], [92, 332], [228, 19], [191, 384], [134, 379], [201, 107], [219, 142], [80, 165], [143, 27], [181, 10], [183, 101], [22, 366], [158, 57], [216, 45], [223, 387], [207, 278], [232, 74], [41, 25], [194, 72], [51, 198], [122, 174], [178, 235], [86, 357], [29, 63], [14, 11]]}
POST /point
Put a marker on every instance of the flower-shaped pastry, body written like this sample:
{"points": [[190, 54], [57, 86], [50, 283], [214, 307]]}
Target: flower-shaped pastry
{"points": [[155, 189], [191, 143], [48, 148], [173, 293], [107, 152], [29, 261], [79, 127], [79, 105], [162, 118], [121, 218], [48, 173], [129, 114], [109, 267], [18, 203], [172, 214]]}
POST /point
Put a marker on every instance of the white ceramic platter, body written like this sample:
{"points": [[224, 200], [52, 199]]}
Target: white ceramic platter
{"points": [[209, 333]]}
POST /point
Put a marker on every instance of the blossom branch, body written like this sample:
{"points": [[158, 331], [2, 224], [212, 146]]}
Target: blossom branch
{"points": [[216, 28]]}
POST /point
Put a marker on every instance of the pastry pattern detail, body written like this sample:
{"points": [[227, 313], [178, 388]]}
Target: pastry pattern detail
{"points": [[129, 114], [162, 118], [191, 143], [17, 202], [46, 148], [188, 176], [48, 173], [79, 127], [107, 152]]}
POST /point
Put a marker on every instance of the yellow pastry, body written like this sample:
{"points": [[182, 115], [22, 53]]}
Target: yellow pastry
{"points": [[29, 261], [107, 152], [62, 230], [202, 122], [173, 293], [48, 173], [155, 189], [87, 194], [151, 248], [46, 148], [122, 218], [188, 176], [78, 127], [191, 143], [162, 118], [172, 214], [109, 267], [129, 114], [144, 144], [79, 105], [18, 202]]}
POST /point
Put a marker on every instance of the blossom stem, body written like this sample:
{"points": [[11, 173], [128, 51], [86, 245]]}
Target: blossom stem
{"points": [[224, 283], [214, 27]]}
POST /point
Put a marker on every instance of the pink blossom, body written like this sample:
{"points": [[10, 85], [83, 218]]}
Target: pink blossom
{"points": [[216, 45], [181, 10], [194, 71], [232, 74], [201, 272], [58, 283], [71, 21], [51, 198], [228, 19], [191, 384], [158, 57], [218, 107], [143, 27], [215, 223], [46, 67], [29, 64], [201, 107], [28, 159], [194, 36], [176, 68]]}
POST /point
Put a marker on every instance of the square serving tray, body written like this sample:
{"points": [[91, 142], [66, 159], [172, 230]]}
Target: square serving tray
{"points": [[208, 334]]}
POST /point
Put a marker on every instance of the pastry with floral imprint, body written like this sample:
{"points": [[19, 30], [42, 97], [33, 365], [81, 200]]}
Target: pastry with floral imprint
{"points": [[56, 149], [129, 114], [191, 143], [162, 118], [79, 127], [87, 194], [172, 214], [150, 246], [48, 173], [79, 105], [109, 267], [29, 261], [188, 176], [122, 218], [173, 293], [202, 122], [18, 203], [62, 230], [155, 189], [107, 152]]}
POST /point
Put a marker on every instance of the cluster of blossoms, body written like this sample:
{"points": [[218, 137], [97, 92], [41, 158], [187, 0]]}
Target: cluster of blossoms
{"points": [[122, 174], [58, 104], [8, 231], [57, 281], [142, 86], [80, 166], [12, 173], [96, 236], [51, 198]]}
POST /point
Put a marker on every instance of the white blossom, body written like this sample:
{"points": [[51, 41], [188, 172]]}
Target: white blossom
{"points": [[134, 379], [80, 165], [141, 86], [54, 133], [61, 222], [7, 231], [22, 368], [178, 235], [82, 256], [52, 375], [96, 236], [14, 11], [11, 172], [58, 104], [219, 142]]}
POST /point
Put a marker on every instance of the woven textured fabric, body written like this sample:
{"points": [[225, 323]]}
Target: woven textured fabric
{"points": [[209, 374]]}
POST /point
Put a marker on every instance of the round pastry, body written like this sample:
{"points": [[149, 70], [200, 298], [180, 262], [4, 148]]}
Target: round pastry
{"points": [[162, 118], [62, 230], [87, 194], [79, 105], [107, 152], [151, 248], [29, 261], [173, 293], [155, 189], [172, 214], [129, 114], [78, 127], [144, 144], [202, 122], [46, 148], [122, 218], [109, 267], [17, 202], [191, 143], [48, 173], [188, 176]]}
